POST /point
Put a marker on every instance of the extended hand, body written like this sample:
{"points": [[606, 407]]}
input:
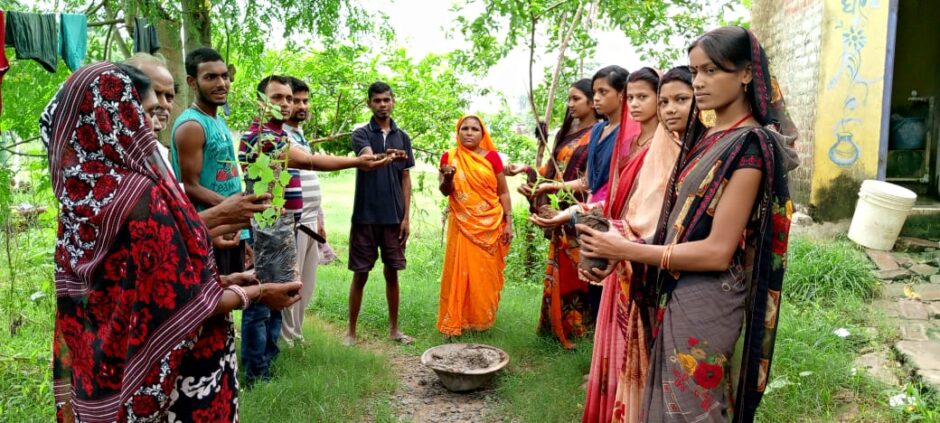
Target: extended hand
{"points": [[278, 296], [610, 245], [396, 154], [546, 188], [240, 279], [561, 218], [226, 242], [239, 208], [525, 189], [515, 169], [369, 162]]}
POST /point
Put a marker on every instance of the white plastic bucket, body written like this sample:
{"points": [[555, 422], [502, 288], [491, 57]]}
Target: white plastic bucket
{"points": [[880, 213]]}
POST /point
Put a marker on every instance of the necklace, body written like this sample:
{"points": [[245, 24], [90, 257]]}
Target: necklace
{"points": [[196, 106], [643, 144]]}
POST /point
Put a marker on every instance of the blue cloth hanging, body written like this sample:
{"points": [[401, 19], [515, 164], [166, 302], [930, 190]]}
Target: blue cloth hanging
{"points": [[73, 39]]}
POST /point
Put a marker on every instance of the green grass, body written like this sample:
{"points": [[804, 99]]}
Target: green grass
{"points": [[827, 288], [313, 379], [827, 272]]}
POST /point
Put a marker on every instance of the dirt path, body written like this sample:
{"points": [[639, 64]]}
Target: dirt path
{"points": [[420, 397]]}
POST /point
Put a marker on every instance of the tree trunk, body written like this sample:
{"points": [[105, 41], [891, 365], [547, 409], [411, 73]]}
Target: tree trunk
{"points": [[197, 28], [171, 47]]}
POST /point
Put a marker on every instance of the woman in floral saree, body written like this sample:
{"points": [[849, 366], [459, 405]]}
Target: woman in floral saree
{"points": [[568, 306], [479, 230], [142, 330], [721, 244]]}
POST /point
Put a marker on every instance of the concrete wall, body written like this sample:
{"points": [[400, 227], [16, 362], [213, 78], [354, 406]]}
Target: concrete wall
{"points": [[790, 31], [851, 94]]}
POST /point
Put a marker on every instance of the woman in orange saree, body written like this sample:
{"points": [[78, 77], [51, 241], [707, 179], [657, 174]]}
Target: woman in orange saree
{"points": [[479, 230]]}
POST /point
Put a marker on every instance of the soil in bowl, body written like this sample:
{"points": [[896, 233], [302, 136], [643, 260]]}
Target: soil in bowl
{"points": [[467, 359]]}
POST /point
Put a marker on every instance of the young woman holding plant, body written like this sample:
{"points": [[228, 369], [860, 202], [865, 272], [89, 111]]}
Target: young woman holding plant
{"points": [[567, 309], [639, 172], [721, 242], [479, 230]]}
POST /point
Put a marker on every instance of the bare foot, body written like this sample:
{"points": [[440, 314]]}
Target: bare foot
{"points": [[349, 341], [403, 339]]}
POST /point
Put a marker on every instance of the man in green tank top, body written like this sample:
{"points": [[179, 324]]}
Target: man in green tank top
{"points": [[202, 152]]}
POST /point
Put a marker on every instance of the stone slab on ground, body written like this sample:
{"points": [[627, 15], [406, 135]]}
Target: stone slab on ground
{"points": [[925, 355], [888, 307], [928, 291], [892, 275], [882, 259], [930, 376], [924, 270], [935, 279], [903, 260], [915, 244], [893, 290], [912, 310], [933, 309], [912, 331], [880, 367]]}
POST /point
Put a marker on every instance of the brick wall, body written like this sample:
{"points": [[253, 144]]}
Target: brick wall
{"points": [[790, 31]]}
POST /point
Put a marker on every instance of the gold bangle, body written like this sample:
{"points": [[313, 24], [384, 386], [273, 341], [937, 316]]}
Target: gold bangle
{"points": [[666, 260]]}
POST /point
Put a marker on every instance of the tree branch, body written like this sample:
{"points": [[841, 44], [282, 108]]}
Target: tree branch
{"points": [[558, 64], [105, 22], [329, 138]]}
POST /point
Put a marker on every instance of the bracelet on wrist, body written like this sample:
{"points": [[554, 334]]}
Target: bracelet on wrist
{"points": [[242, 296]]}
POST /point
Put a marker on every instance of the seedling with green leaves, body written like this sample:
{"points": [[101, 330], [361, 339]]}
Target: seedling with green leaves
{"points": [[267, 172]]}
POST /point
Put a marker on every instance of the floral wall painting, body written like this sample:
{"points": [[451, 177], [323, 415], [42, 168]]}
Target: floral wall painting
{"points": [[850, 80], [849, 107]]}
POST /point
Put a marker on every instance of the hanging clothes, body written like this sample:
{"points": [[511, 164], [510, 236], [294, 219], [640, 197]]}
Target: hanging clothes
{"points": [[4, 63], [34, 36], [74, 39], [145, 37]]}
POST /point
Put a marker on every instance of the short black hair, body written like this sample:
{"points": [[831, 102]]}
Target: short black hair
{"points": [[263, 85], [379, 87], [298, 86], [198, 56], [141, 81]]}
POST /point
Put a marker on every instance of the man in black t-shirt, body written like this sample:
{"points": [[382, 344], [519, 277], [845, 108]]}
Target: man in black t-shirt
{"points": [[380, 209]]}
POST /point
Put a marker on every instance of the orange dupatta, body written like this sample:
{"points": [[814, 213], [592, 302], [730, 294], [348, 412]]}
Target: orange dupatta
{"points": [[475, 257]]}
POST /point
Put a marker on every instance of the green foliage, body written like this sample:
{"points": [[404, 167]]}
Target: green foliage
{"points": [[827, 272], [429, 95], [506, 24]]}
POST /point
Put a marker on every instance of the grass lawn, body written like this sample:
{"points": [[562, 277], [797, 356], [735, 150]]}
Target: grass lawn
{"points": [[812, 375]]}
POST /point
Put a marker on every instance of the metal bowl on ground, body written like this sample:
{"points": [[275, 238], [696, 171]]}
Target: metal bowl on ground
{"points": [[463, 380]]}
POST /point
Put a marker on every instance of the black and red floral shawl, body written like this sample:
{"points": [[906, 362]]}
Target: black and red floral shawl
{"points": [[129, 293]]}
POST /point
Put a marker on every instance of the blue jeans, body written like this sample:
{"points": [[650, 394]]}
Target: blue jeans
{"points": [[261, 328]]}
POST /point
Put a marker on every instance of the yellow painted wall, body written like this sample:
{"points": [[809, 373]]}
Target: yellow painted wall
{"points": [[851, 84]]}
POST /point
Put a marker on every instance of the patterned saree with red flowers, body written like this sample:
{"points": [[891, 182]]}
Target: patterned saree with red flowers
{"points": [[700, 315], [566, 308], [135, 278]]}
